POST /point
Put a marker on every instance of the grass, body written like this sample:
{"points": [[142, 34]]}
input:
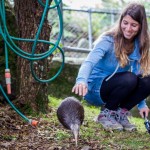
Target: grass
{"points": [[91, 133], [94, 136]]}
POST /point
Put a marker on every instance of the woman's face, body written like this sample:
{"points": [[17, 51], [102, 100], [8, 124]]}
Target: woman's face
{"points": [[129, 27]]}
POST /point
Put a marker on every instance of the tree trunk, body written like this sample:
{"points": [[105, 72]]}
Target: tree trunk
{"points": [[28, 15]]}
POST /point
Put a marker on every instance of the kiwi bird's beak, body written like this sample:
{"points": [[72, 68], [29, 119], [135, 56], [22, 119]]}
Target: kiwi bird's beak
{"points": [[75, 130], [76, 137]]}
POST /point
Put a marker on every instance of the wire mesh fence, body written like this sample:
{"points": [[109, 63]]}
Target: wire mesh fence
{"points": [[81, 27]]}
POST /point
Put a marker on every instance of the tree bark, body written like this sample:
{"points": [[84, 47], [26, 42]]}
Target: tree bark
{"points": [[30, 92]]}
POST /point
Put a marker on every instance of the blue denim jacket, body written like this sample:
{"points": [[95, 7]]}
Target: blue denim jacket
{"points": [[102, 62]]}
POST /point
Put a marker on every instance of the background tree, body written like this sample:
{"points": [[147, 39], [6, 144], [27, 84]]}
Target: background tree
{"points": [[30, 92]]}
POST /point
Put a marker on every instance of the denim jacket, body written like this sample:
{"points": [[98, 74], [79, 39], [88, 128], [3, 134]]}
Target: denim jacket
{"points": [[102, 62]]}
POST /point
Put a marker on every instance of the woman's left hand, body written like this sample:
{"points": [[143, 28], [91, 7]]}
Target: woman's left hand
{"points": [[145, 110]]}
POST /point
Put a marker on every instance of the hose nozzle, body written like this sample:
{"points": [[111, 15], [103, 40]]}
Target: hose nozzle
{"points": [[33, 123], [8, 80]]}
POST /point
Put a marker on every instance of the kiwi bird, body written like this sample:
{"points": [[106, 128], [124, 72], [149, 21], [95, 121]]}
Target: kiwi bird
{"points": [[70, 114]]}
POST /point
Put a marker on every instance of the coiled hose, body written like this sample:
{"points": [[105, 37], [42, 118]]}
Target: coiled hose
{"points": [[9, 42]]}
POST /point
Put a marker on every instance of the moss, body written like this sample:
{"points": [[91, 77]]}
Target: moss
{"points": [[62, 85]]}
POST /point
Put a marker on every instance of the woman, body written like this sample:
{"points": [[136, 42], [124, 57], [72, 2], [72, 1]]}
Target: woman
{"points": [[116, 72]]}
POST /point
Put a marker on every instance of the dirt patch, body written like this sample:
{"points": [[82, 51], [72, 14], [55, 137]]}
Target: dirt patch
{"points": [[15, 134]]}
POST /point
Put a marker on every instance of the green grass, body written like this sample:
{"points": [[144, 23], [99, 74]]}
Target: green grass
{"points": [[91, 133], [95, 136]]}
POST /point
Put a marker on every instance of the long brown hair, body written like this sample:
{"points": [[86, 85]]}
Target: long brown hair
{"points": [[137, 12]]}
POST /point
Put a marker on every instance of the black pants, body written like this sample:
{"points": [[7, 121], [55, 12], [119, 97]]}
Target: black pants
{"points": [[124, 90]]}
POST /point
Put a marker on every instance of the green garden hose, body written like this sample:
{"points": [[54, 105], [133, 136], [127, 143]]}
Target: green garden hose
{"points": [[9, 42]]}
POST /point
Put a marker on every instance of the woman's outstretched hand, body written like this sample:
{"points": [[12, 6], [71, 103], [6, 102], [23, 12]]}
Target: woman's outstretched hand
{"points": [[145, 111], [80, 89]]}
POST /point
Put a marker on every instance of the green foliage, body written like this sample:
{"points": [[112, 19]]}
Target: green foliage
{"points": [[61, 87], [61, 135], [54, 102], [9, 138], [98, 21], [78, 21]]}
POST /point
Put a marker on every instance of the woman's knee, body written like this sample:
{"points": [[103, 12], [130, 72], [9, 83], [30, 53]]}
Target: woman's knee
{"points": [[129, 79], [145, 82]]}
